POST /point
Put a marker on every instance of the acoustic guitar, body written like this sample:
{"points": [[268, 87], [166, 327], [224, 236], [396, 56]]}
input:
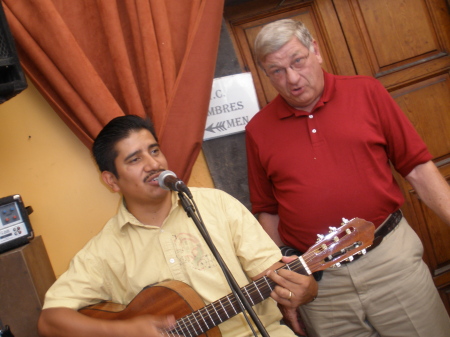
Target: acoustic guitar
{"points": [[195, 319]]}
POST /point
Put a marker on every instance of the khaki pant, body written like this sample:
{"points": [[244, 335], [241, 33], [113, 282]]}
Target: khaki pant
{"points": [[388, 292]]}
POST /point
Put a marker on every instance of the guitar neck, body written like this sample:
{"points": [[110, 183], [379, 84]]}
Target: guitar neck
{"points": [[223, 309]]}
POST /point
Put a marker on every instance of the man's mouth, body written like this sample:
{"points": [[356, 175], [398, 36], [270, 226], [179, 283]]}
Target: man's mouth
{"points": [[153, 176], [296, 90]]}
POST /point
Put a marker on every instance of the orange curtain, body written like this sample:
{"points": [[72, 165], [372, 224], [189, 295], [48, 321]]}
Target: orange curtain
{"points": [[94, 60]]}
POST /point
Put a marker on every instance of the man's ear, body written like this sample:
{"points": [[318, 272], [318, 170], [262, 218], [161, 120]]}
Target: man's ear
{"points": [[110, 180], [317, 53]]}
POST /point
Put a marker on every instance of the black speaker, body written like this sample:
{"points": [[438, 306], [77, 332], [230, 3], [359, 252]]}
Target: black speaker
{"points": [[12, 78]]}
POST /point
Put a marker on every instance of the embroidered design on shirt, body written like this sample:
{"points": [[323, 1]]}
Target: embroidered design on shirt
{"points": [[191, 251]]}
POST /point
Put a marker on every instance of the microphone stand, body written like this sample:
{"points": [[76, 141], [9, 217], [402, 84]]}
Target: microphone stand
{"points": [[190, 210]]}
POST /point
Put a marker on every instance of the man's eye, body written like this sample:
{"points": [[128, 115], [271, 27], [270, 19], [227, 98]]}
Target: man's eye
{"points": [[134, 160], [299, 62]]}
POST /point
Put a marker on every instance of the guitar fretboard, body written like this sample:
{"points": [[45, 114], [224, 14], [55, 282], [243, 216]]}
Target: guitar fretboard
{"points": [[223, 309]]}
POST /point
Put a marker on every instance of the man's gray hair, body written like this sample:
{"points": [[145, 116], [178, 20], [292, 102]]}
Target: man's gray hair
{"points": [[276, 34]]}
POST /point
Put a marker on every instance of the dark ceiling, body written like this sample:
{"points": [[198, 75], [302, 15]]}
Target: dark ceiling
{"points": [[230, 3], [235, 2]]}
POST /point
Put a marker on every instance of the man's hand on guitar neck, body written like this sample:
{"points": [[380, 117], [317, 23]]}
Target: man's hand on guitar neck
{"points": [[292, 290], [67, 322]]}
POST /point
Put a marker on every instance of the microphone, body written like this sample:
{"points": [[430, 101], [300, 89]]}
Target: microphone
{"points": [[169, 181]]}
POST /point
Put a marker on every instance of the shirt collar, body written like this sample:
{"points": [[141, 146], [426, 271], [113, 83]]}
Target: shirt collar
{"points": [[285, 110], [124, 217]]}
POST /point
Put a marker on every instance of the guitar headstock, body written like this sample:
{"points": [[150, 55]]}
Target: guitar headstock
{"points": [[351, 238]]}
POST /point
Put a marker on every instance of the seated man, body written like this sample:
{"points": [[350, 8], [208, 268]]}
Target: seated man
{"points": [[151, 239]]}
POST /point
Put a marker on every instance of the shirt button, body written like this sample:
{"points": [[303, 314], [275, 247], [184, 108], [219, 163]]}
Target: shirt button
{"points": [[313, 130], [172, 260], [311, 116]]}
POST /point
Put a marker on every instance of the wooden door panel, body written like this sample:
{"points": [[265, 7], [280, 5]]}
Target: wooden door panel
{"points": [[398, 30], [407, 75], [387, 36], [427, 105]]}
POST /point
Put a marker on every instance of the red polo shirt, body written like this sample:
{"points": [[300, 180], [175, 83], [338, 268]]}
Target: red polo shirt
{"points": [[314, 169]]}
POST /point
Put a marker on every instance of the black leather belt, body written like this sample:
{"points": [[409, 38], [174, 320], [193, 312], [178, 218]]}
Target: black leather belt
{"points": [[385, 228]]}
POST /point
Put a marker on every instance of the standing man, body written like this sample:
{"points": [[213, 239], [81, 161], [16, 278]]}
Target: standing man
{"points": [[151, 239], [320, 152]]}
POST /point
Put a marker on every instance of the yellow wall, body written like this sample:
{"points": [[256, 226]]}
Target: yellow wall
{"points": [[44, 162]]}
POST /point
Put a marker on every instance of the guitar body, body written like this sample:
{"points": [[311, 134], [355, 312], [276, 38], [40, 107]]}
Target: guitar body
{"points": [[165, 298]]}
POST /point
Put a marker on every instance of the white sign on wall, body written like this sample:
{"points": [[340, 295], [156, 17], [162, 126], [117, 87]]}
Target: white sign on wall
{"points": [[233, 103]]}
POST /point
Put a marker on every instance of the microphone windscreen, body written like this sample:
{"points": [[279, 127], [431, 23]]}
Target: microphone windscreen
{"points": [[162, 178]]}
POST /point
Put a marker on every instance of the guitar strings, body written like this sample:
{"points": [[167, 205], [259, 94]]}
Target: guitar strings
{"points": [[226, 305], [198, 323]]}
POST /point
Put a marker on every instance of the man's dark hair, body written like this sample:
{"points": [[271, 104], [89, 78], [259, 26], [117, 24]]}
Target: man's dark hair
{"points": [[119, 128]]}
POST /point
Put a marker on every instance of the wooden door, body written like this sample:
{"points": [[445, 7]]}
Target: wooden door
{"points": [[403, 43]]}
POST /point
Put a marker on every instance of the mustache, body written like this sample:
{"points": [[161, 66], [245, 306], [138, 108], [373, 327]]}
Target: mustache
{"points": [[152, 173]]}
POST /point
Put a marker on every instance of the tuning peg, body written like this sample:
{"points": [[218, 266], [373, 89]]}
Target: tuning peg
{"points": [[363, 252], [320, 237], [335, 239], [332, 229], [344, 221], [336, 265], [350, 258]]}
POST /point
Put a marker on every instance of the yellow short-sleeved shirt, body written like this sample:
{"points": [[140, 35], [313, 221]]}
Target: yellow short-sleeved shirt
{"points": [[127, 256]]}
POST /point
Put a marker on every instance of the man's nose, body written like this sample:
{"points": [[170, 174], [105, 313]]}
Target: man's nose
{"points": [[150, 163], [292, 75]]}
